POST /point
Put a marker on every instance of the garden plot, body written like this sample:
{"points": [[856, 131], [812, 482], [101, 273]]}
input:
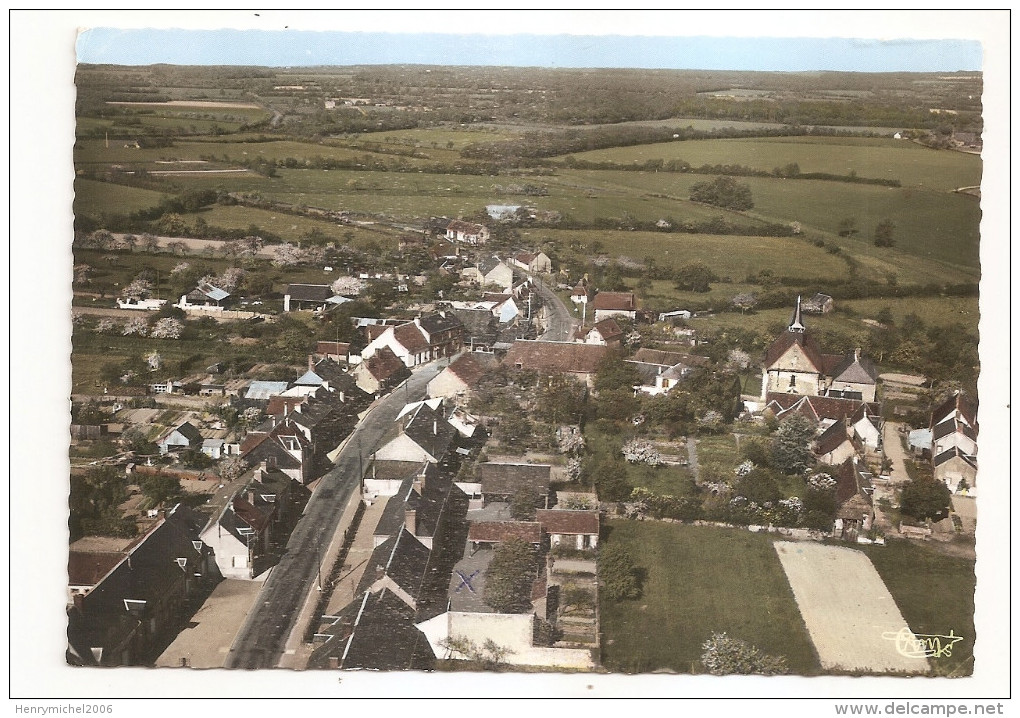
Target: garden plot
{"points": [[849, 613]]}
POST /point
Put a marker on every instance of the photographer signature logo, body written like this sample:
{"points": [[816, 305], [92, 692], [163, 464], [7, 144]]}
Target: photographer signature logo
{"points": [[920, 645]]}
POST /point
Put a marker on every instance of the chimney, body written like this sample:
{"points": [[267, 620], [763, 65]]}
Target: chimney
{"points": [[410, 520], [857, 354], [311, 362], [251, 496], [334, 662]]}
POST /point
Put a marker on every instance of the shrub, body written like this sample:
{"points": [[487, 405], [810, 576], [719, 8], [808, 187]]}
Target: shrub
{"points": [[724, 656]]}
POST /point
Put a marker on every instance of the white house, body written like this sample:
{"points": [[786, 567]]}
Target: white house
{"points": [[467, 232]]}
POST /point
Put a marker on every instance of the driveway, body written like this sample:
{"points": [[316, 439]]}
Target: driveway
{"points": [[893, 446]]}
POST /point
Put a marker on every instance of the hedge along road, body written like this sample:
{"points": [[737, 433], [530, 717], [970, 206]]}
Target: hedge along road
{"points": [[262, 640]]}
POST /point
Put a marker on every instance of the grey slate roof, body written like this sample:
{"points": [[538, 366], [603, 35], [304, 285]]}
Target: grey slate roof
{"points": [[404, 559]]}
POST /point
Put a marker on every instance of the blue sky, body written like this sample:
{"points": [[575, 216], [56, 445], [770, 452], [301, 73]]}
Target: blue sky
{"points": [[299, 47]]}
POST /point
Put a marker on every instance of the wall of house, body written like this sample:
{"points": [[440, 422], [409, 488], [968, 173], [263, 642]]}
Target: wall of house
{"points": [[952, 471], [838, 455], [868, 433], [601, 314], [446, 385], [867, 390]]}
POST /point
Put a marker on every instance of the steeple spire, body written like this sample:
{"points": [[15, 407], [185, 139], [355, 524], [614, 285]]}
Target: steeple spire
{"points": [[796, 323]]}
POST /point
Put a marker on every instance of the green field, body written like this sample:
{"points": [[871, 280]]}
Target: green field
{"points": [[97, 198], [935, 593], [727, 256], [700, 580], [912, 164]]}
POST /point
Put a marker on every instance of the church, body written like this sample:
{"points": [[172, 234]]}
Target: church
{"points": [[795, 364]]}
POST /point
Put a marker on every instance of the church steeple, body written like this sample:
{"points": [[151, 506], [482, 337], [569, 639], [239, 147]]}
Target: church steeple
{"points": [[796, 323]]}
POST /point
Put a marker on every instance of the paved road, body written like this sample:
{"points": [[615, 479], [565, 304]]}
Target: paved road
{"points": [[561, 323], [261, 642]]}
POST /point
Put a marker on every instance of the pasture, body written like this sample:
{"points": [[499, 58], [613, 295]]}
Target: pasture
{"points": [[935, 592], [97, 198], [877, 158], [700, 580], [727, 256]]}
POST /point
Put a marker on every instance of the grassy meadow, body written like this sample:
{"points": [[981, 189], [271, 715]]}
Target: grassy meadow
{"points": [[700, 580]]}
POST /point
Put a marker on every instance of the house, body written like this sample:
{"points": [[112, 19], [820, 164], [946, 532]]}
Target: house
{"points": [[423, 340], [855, 377], [957, 470], [422, 435], [490, 271], [614, 304], [384, 479], [339, 352], [606, 333], [868, 426], [239, 537], [375, 632], [458, 379], [580, 361], [819, 409], [500, 482], [467, 232], [183, 436], [205, 297], [264, 390], [532, 262], [420, 506], [578, 529], [328, 375], [315, 297], [836, 444], [954, 431], [818, 304], [399, 564], [127, 599], [486, 534], [582, 292], [658, 379], [855, 512], [468, 616], [283, 446], [381, 371], [480, 326], [504, 307]]}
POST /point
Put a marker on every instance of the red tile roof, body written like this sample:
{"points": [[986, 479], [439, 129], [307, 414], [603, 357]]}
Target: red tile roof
{"points": [[618, 301], [467, 369], [411, 338], [499, 531], [563, 521], [556, 356]]}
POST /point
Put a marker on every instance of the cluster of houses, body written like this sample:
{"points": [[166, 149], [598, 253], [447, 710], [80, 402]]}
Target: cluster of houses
{"points": [[421, 596], [836, 393]]}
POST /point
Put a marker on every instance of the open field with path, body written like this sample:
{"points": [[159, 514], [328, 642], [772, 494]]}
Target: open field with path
{"points": [[850, 614]]}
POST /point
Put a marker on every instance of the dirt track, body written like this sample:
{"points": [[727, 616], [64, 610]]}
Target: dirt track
{"points": [[849, 613]]}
